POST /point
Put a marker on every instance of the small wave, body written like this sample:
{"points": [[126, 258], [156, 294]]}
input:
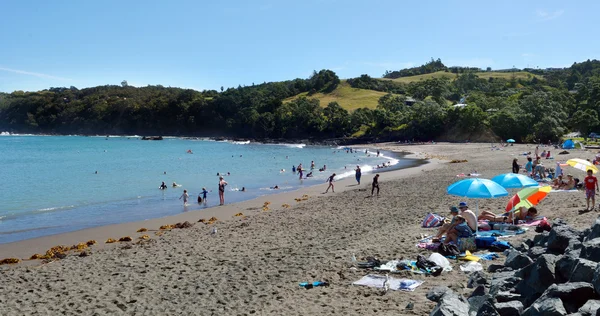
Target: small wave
{"points": [[294, 145], [50, 209], [241, 143]]}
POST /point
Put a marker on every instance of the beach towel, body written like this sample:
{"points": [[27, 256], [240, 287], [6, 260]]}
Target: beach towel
{"points": [[429, 245], [501, 232], [556, 191], [378, 281], [536, 221]]}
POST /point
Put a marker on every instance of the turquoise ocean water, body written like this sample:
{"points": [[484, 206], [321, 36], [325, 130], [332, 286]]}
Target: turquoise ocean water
{"points": [[50, 185]]}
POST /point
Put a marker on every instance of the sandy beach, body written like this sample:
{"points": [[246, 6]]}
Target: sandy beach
{"points": [[253, 264]]}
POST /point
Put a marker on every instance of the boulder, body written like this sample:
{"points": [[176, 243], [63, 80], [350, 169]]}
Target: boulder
{"points": [[563, 268], [596, 279], [573, 294], [479, 291], [523, 247], [451, 304], [537, 278], [498, 268], [590, 308], [509, 308], [550, 306], [591, 250], [584, 233], [557, 222], [503, 297], [583, 270], [506, 284], [528, 242], [560, 237], [477, 278], [487, 309], [436, 293], [594, 231], [475, 303], [517, 260], [536, 251], [541, 239]]}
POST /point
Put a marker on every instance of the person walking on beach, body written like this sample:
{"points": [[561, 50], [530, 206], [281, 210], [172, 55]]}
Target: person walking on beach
{"points": [[222, 184], [375, 184], [358, 174], [330, 180], [185, 197], [591, 183], [515, 166]]}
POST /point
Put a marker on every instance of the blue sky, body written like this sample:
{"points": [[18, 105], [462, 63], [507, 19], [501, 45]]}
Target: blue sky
{"points": [[209, 44]]}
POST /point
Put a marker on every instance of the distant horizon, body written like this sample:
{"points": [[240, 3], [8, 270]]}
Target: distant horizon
{"points": [[204, 45], [262, 82]]}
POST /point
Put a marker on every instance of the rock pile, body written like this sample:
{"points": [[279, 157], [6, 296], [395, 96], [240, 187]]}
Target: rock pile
{"points": [[555, 273]]}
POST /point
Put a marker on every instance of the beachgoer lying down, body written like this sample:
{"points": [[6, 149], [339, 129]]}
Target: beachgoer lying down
{"points": [[522, 214]]}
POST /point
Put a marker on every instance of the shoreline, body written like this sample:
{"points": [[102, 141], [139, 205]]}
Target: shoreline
{"points": [[23, 249]]}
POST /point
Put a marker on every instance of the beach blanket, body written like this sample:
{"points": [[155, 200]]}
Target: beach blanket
{"points": [[501, 232], [534, 222], [392, 266], [378, 281], [429, 245]]}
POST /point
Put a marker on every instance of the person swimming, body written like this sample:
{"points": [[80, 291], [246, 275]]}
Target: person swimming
{"points": [[276, 187], [309, 174], [176, 185], [243, 189], [163, 186]]}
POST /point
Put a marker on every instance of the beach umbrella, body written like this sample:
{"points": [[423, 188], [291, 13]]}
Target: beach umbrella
{"points": [[514, 180], [582, 165], [478, 189], [510, 140], [528, 197]]}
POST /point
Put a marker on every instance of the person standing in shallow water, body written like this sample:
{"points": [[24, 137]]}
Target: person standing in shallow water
{"points": [[358, 174], [222, 184], [375, 185]]}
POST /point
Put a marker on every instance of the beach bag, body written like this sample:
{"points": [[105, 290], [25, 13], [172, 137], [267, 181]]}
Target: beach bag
{"points": [[432, 220], [447, 250], [467, 243], [543, 226]]}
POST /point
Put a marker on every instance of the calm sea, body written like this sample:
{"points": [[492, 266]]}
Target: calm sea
{"points": [[50, 183]]}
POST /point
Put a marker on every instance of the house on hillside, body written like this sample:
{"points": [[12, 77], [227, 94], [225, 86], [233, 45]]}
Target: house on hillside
{"points": [[409, 101]]}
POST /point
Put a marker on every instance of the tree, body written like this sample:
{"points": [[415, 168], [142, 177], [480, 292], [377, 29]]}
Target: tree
{"points": [[585, 121], [124, 83], [336, 119]]}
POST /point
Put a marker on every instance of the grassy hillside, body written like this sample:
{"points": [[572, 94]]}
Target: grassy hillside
{"points": [[346, 96], [482, 75]]}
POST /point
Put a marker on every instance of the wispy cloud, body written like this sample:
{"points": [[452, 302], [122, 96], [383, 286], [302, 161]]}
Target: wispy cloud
{"points": [[35, 74], [543, 15], [390, 65]]}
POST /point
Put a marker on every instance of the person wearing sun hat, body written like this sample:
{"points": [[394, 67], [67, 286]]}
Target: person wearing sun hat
{"points": [[448, 223], [468, 215]]}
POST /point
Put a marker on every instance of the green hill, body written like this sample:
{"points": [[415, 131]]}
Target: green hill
{"points": [[347, 97], [483, 75]]}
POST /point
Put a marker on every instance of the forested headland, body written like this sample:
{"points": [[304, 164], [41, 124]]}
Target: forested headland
{"points": [[430, 102]]}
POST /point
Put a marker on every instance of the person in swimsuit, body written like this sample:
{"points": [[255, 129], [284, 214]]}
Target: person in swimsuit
{"points": [[460, 230], [591, 183], [330, 180], [358, 174], [522, 214], [185, 197], [163, 186], [222, 184], [299, 169], [375, 184]]}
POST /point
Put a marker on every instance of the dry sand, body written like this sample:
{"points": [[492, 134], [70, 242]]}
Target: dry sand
{"points": [[254, 265]]}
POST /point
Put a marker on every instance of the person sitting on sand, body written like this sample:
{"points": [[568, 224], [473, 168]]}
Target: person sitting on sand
{"points": [[460, 230], [570, 185], [468, 215], [448, 224], [522, 214], [558, 183]]}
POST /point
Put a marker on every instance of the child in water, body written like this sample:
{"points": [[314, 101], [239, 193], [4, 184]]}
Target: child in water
{"points": [[202, 196], [185, 197]]}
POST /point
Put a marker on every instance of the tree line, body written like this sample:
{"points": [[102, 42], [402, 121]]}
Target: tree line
{"points": [[542, 107]]}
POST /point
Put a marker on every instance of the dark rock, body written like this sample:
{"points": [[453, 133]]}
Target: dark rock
{"points": [[583, 270], [507, 284], [487, 309], [475, 303], [563, 268], [572, 294], [495, 267], [557, 222], [591, 250], [517, 260], [185, 224], [479, 291], [596, 279], [509, 308], [523, 247], [561, 236], [528, 242], [594, 231], [451, 304], [537, 278], [590, 308], [503, 297], [477, 278], [436, 293], [536, 251], [550, 306], [584, 233], [541, 239]]}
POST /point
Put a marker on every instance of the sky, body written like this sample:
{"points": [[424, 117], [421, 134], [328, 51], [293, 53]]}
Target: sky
{"points": [[201, 44]]}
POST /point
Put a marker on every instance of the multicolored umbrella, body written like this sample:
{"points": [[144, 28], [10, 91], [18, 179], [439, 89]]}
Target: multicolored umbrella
{"points": [[582, 165], [528, 197]]}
